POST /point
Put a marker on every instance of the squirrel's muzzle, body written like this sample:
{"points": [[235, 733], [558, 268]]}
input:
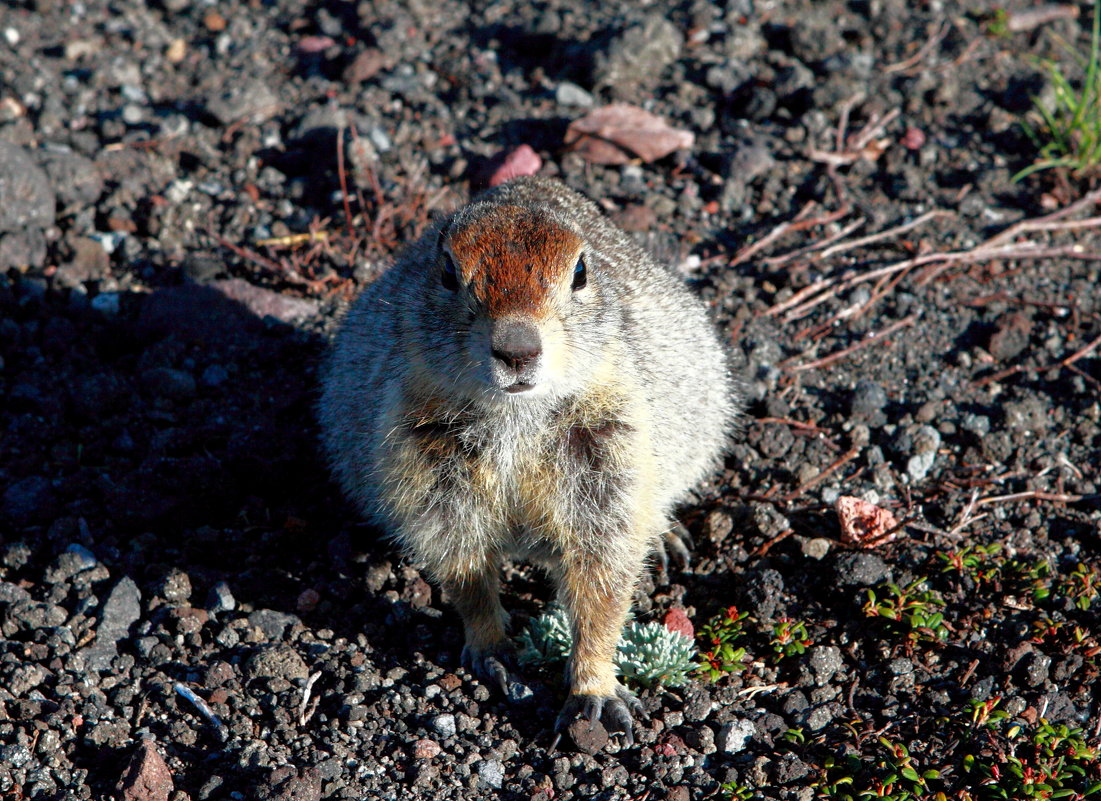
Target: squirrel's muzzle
{"points": [[515, 343]]}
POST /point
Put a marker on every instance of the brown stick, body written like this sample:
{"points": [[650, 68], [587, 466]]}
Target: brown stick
{"points": [[830, 469], [864, 343]]}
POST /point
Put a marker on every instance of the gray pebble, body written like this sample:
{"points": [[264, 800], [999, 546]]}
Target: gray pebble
{"points": [[120, 611], [570, 94], [733, 737], [824, 661], [444, 725], [26, 198], [492, 772], [220, 599], [860, 569], [274, 624], [276, 661]]}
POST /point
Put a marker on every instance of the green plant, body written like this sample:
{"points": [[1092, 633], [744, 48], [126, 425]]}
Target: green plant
{"points": [[736, 792], [719, 637], [1081, 586], [546, 639], [915, 608], [652, 655], [1034, 577], [892, 775], [985, 714], [789, 638], [1048, 761], [1069, 133], [979, 562], [648, 654]]}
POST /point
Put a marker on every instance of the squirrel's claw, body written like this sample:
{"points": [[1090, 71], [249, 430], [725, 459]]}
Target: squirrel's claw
{"points": [[495, 666], [678, 543], [615, 711]]}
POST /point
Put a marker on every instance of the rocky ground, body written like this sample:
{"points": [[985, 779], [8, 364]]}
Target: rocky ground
{"points": [[189, 189]]}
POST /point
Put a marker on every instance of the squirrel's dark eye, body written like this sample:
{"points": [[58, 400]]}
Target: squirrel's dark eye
{"points": [[580, 276], [450, 276]]}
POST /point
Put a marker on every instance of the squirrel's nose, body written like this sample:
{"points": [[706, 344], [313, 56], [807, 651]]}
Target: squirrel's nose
{"points": [[516, 343]]}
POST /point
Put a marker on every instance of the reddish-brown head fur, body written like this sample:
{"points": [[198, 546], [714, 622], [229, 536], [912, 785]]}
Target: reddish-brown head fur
{"points": [[513, 259]]}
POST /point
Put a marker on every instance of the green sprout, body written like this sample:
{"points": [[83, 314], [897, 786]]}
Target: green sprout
{"points": [[719, 637], [1069, 134], [789, 638], [915, 608]]}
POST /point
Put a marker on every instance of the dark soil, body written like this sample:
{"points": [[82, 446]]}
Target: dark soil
{"points": [[165, 519]]}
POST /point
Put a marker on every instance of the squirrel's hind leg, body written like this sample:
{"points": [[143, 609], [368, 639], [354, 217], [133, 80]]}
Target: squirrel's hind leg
{"points": [[487, 653]]}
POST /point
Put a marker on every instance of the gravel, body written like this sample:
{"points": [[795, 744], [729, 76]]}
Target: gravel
{"points": [[175, 252]]}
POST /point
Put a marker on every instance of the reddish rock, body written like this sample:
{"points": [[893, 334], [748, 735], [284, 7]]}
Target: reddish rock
{"points": [[521, 161], [426, 749], [676, 619], [147, 777]]}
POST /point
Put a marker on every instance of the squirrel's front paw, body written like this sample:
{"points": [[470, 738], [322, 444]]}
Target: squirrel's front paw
{"points": [[614, 711], [495, 665]]}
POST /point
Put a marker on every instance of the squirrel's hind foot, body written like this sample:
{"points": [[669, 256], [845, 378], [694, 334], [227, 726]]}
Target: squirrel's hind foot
{"points": [[614, 711], [497, 666]]}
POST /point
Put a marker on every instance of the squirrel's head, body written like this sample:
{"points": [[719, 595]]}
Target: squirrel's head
{"points": [[515, 295]]}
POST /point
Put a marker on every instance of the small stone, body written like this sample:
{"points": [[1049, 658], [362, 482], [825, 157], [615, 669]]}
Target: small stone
{"points": [[816, 548], [733, 737], [364, 66], [791, 769], [249, 101], [16, 755], [588, 736], [274, 624], [74, 559], [277, 661], [926, 441], [119, 612], [868, 399], [26, 198], [977, 424], [824, 662], [639, 55], [860, 569], [147, 778], [220, 599], [1011, 336], [444, 725], [285, 783], [107, 303], [901, 666], [75, 178], [267, 303], [676, 619], [697, 706], [492, 772], [175, 587], [1035, 667], [570, 94], [26, 678], [426, 749], [308, 600]]}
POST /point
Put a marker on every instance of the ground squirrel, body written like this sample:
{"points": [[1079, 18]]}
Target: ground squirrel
{"points": [[526, 382]]}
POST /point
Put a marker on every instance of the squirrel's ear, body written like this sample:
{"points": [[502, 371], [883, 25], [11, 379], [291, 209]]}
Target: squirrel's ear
{"points": [[445, 230]]}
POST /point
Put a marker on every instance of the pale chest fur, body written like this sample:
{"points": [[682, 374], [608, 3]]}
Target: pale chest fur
{"points": [[526, 485]]}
